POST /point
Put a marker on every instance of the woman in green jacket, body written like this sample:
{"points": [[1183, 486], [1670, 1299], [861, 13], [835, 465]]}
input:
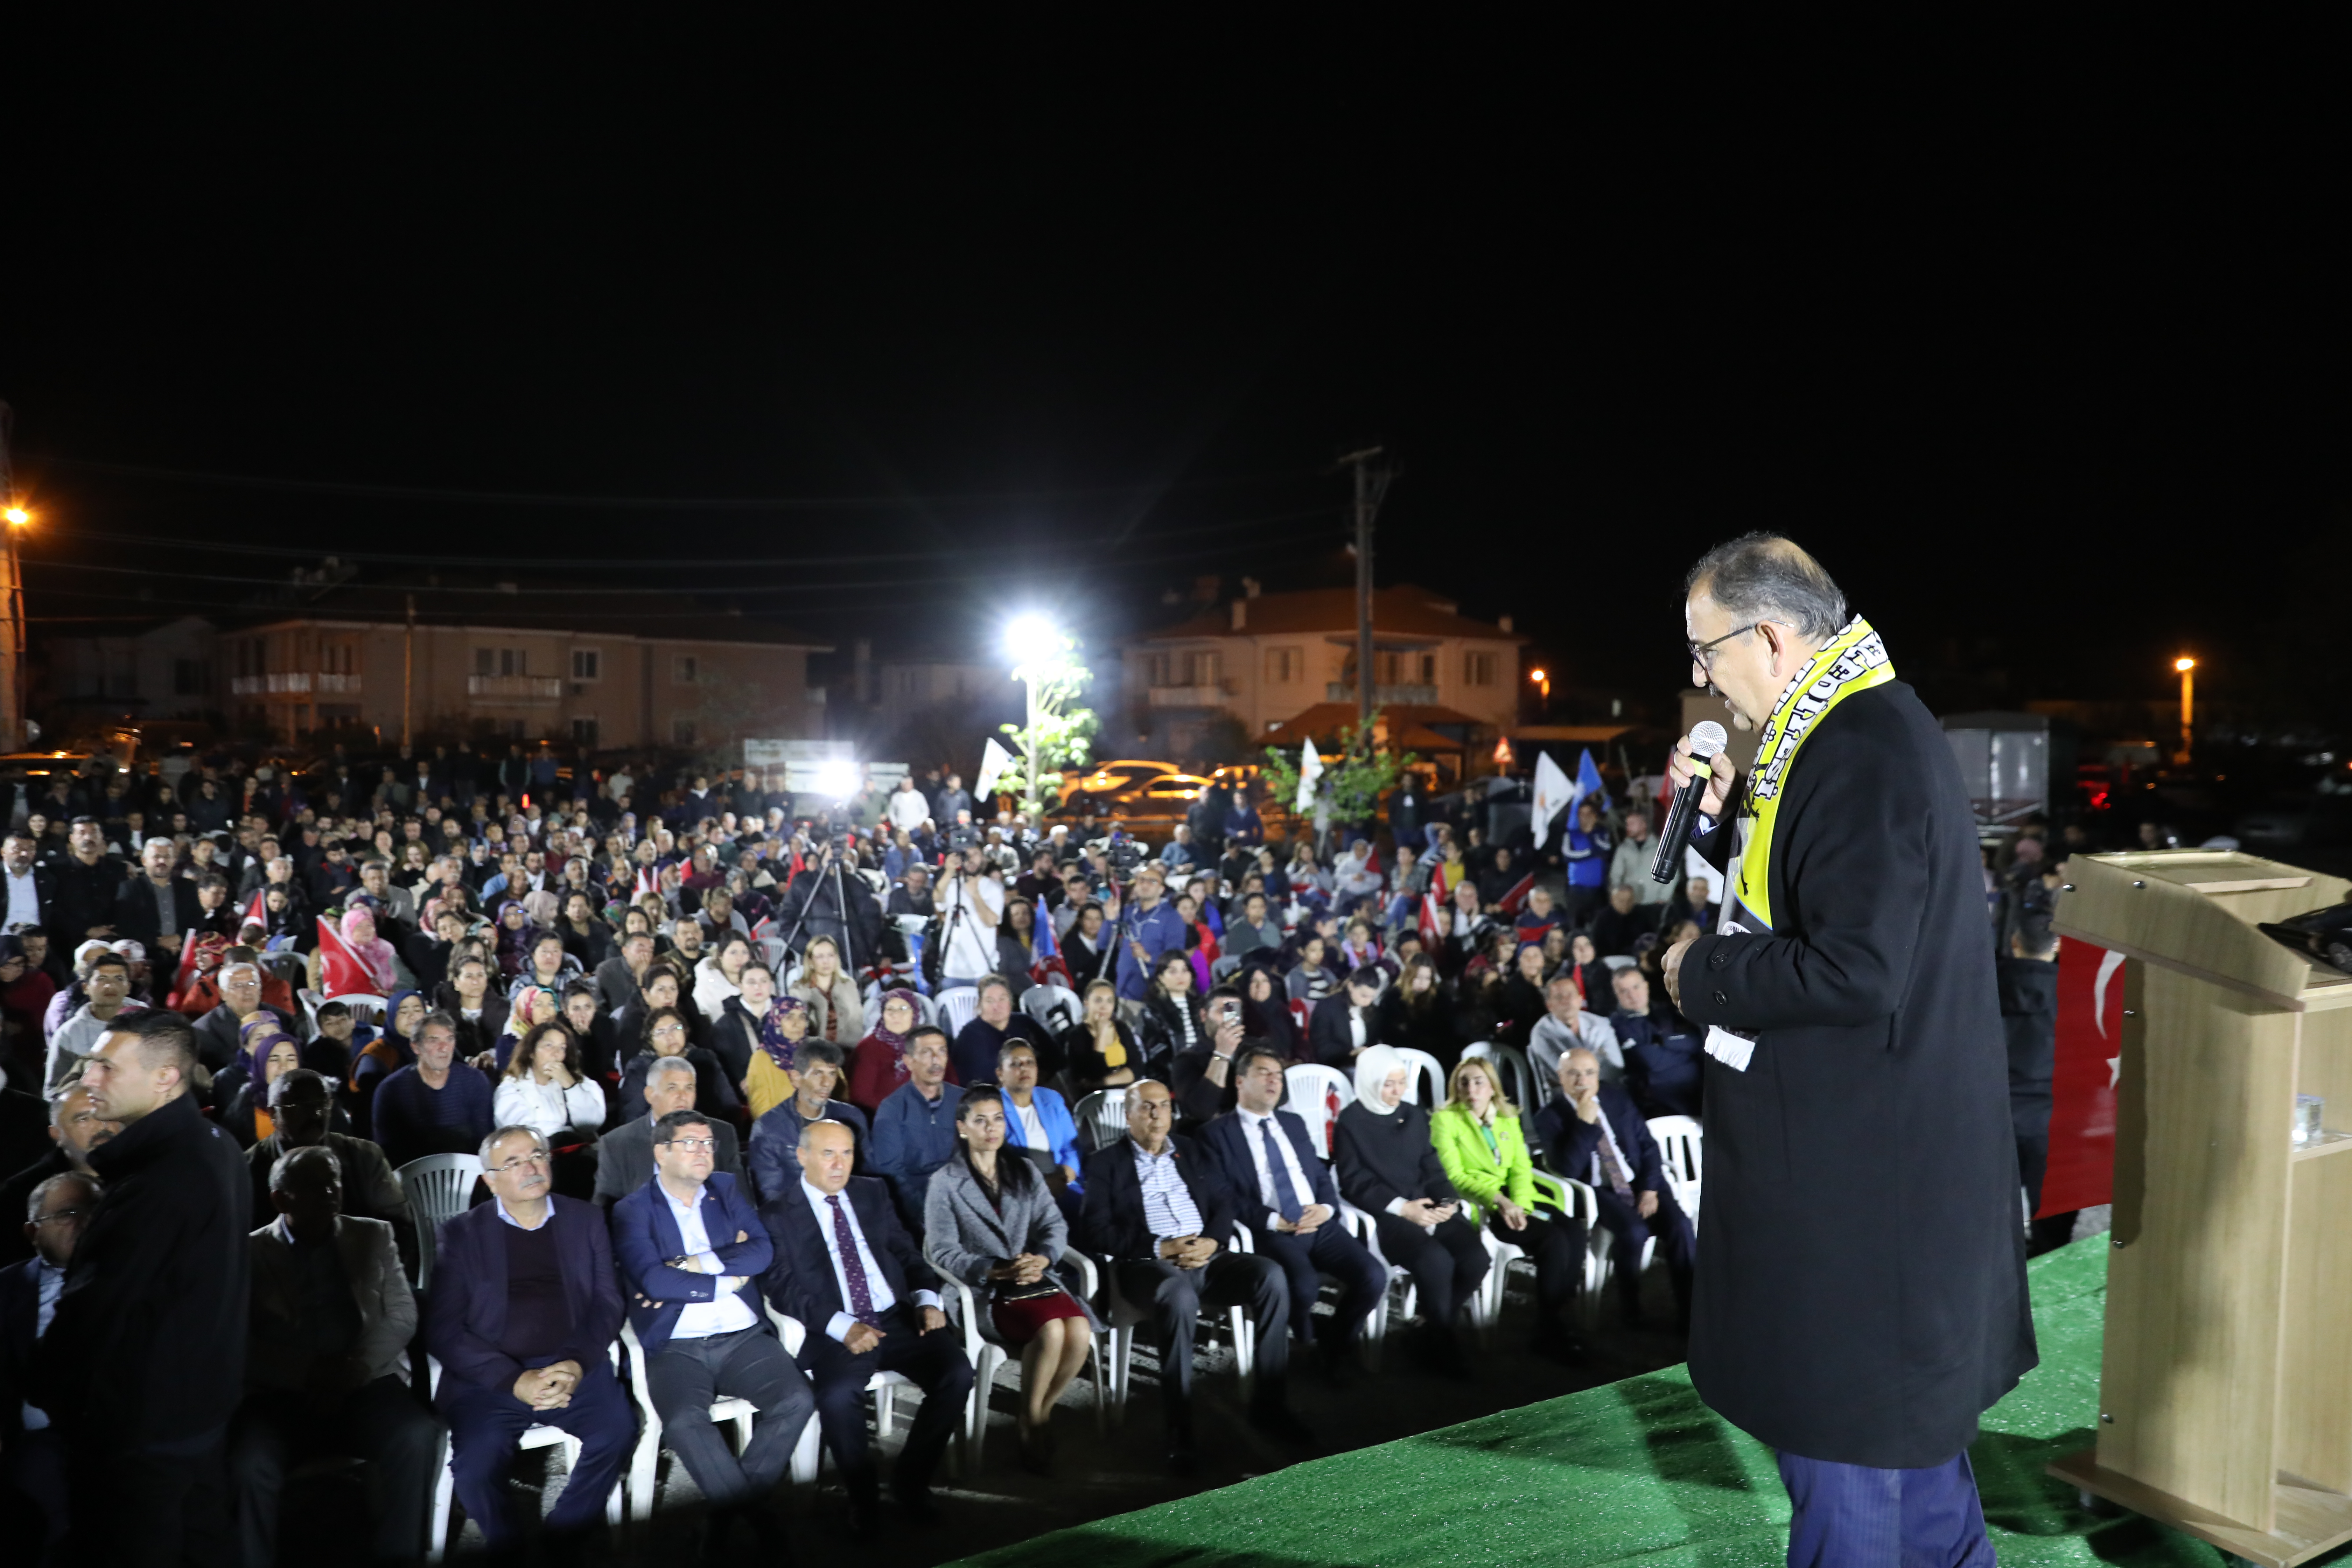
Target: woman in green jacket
{"points": [[1484, 1153]]}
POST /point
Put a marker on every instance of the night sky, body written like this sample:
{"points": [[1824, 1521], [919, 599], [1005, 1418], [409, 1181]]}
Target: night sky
{"points": [[2038, 342]]}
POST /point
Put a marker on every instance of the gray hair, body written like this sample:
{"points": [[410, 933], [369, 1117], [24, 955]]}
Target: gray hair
{"points": [[809, 1127], [88, 1182], [1764, 576], [501, 1134], [668, 1066]]}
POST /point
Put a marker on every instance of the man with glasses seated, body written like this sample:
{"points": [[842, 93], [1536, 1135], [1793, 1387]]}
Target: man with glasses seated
{"points": [[694, 1299], [522, 1315], [624, 1156]]}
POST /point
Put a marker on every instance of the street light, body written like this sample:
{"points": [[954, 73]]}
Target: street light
{"points": [[1037, 646], [2187, 668], [15, 516]]}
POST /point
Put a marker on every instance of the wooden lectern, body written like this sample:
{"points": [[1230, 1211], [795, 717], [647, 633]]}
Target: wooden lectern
{"points": [[2225, 1396]]}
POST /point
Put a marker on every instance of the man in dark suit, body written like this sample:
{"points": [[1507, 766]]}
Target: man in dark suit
{"points": [[240, 991], [847, 1268], [1288, 1202], [153, 908], [624, 1156], [1663, 1058], [32, 1462], [144, 1362], [694, 1301], [327, 1360], [1595, 1133], [1343, 1024], [302, 1106], [1156, 1207], [28, 890], [523, 1314], [88, 878], [1860, 1061]]}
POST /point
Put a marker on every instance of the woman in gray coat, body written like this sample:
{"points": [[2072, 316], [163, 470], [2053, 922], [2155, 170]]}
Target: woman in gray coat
{"points": [[992, 1223]]}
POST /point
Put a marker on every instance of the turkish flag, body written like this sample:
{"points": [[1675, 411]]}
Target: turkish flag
{"points": [[341, 971], [2082, 1171]]}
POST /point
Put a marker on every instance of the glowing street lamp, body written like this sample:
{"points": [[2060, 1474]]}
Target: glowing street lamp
{"points": [[15, 516], [1542, 678], [1037, 648], [2187, 668]]}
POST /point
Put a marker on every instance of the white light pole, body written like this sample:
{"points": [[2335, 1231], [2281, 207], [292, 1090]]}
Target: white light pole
{"points": [[1036, 647]]}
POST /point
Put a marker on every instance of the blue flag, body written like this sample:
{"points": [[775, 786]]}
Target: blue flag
{"points": [[1588, 781]]}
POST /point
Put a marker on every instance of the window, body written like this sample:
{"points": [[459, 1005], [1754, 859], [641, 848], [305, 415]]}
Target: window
{"points": [[905, 682], [588, 664], [189, 678], [1429, 669], [339, 658], [685, 669], [1284, 665], [1478, 669], [1156, 669], [501, 662], [485, 661], [1205, 669], [1386, 668], [583, 728], [681, 732]]}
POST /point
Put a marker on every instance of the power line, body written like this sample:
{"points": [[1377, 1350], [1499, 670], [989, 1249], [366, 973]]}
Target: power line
{"points": [[644, 503]]}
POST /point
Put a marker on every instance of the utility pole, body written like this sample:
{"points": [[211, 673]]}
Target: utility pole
{"points": [[1372, 484], [407, 670], [12, 655]]}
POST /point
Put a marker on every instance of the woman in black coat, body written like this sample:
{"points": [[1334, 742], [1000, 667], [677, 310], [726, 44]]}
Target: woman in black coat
{"points": [[1172, 1023], [1389, 1168], [1417, 1012]]}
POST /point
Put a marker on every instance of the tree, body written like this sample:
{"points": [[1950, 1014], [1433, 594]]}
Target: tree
{"points": [[1058, 734], [1353, 781]]}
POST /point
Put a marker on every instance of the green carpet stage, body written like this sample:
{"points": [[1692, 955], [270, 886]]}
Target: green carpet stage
{"points": [[1634, 1471]]}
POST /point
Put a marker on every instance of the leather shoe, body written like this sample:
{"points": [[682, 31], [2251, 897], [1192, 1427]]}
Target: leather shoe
{"points": [[916, 1503]]}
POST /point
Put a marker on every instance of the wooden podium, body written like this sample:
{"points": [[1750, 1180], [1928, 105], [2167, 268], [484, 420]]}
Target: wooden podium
{"points": [[2225, 1396]]}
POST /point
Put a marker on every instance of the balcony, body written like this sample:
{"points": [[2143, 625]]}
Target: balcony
{"points": [[515, 691], [1211, 695], [1384, 696], [293, 683]]}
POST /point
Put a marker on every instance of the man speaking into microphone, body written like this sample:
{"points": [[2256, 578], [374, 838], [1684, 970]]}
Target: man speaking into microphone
{"points": [[1860, 1298]]}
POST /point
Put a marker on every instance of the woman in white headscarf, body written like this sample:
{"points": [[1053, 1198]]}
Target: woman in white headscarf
{"points": [[1389, 1168]]}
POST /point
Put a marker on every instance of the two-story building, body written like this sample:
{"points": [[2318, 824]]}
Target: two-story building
{"points": [[593, 670], [1265, 659]]}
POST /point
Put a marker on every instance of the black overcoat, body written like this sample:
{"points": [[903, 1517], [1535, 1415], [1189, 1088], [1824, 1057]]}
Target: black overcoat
{"points": [[1861, 1283]]}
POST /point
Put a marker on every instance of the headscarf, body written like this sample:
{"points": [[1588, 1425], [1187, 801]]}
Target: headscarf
{"points": [[254, 1039], [514, 942], [1373, 1069], [895, 1042], [390, 1050], [373, 952], [543, 908], [772, 1039]]}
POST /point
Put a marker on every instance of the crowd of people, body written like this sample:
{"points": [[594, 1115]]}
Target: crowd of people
{"points": [[718, 1064]]}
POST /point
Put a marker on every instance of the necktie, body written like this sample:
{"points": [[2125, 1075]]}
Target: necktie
{"points": [[853, 1268], [1285, 1195], [1611, 1166]]}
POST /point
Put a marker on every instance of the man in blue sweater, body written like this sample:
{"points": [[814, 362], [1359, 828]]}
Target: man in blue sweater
{"points": [[914, 1127], [436, 1104]]}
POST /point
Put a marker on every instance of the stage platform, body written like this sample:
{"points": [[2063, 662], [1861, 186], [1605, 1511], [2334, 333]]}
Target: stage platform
{"points": [[1634, 1471]]}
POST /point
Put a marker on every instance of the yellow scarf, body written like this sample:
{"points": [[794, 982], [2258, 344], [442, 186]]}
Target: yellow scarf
{"points": [[1855, 660]]}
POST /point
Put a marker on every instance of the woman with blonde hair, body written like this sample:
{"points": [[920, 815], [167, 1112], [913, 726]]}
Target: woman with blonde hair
{"points": [[1483, 1150], [836, 1014]]}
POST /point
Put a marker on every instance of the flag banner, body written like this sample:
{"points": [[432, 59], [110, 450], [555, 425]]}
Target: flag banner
{"points": [[995, 762], [1310, 768], [1588, 781], [1518, 896], [1432, 933], [341, 971], [257, 911], [2082, 1170], [1553, 796], [186, 976]]}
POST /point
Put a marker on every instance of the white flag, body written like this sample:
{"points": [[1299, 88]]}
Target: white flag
{"points": [[1310, 768], [1553, 794], [995, 762]]}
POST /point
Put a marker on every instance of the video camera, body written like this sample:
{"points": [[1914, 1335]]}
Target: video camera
{"points": [[962, 837], [1123, 855]]}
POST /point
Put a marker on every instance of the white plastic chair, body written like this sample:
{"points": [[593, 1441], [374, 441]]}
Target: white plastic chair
{"points": [[808, 1455], [645, 1462], [958, 1005], [1054, 1008], [1101, 1117], [1125, 1317], [437, 1187], [987, 1353], [1310, 1089], [1682, 1148], [444, 1490], [1425, 1068], [1568, 1197], [1403, 1292]]}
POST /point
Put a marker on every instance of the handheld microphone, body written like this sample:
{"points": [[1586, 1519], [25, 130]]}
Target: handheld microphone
{"points": [[1707, 741]]}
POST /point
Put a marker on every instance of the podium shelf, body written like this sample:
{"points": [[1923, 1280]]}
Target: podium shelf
{"points": [[2327, 1143]]}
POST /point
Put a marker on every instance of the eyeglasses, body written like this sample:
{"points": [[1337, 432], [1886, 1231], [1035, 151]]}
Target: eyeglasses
{"points": [[60, 1214], [1703, 653], [693, 1143], [536, 1157]]}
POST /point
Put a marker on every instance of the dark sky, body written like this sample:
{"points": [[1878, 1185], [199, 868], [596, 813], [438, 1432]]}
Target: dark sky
{"points": [[2037, 339]]}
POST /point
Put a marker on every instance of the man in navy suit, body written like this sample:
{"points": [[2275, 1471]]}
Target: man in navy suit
{"points": [[1292, 1209], [31, 1460], [694, 1301], [1157, 1208], [847, 1268], [522, 1315], [1595, 1134]]}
